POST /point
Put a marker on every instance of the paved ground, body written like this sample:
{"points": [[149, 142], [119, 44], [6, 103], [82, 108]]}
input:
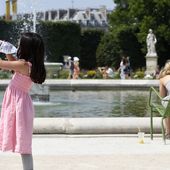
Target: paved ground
{"points": [[93, 152]]}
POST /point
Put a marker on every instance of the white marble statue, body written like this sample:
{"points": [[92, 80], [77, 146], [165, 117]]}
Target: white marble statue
{"points": [[151, 41]]}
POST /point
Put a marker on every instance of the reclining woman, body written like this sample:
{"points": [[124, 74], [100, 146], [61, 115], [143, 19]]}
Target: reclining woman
{"points": [[164, 89]]}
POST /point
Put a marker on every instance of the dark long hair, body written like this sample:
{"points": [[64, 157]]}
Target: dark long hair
{"points": [[31, 48]]}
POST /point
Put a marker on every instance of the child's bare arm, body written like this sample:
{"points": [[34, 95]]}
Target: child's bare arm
{"points": [[12, 65]]}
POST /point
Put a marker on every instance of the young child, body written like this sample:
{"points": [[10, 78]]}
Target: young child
{"points": [[17, 111], [71, 68], [76, 68]]}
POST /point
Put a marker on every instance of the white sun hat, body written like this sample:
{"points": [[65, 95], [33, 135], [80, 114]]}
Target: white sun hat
{"points": [[7, 48], [76, 59]]}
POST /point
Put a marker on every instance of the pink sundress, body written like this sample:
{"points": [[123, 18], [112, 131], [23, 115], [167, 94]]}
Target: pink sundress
{"points": [[17, 112]]}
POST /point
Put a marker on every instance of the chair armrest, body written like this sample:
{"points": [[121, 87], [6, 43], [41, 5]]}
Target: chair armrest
{"points": [[153, 90]]}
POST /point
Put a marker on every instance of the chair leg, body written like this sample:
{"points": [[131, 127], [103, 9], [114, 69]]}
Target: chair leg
{"points": [[151, 124], [163, 130]]}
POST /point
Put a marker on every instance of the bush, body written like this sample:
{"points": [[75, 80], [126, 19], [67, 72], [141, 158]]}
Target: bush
{"points": [[10, 31], [91, 74], [60, 38], [116, 75], [5, 74], [98, 75], [63, 74], [139, 74]]}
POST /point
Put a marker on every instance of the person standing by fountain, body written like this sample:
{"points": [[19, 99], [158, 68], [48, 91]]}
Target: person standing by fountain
{"points": [[17, 111], [71, 68], [76, 68], [122, 68]]}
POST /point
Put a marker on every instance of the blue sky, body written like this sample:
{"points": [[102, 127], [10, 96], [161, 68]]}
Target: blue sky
{"points": [[29, 5]]}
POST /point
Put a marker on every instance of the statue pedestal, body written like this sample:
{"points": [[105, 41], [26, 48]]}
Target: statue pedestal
{"points": [[151, 64]]}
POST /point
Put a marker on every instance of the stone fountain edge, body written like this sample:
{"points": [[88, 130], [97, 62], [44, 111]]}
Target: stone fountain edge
{"points": [[119, 125]]}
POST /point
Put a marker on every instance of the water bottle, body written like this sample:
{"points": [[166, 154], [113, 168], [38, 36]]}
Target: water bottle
{"points": [[7, 48]]}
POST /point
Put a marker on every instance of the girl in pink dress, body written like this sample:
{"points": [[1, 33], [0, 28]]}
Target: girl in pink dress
{"points": [[16, 124]]}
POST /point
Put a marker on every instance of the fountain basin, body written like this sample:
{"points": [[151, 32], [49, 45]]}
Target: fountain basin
{"points": [[53, 69], [100, 102]]}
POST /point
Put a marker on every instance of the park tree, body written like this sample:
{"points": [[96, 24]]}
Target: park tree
{"points": [[107, 51], [129, 25]]}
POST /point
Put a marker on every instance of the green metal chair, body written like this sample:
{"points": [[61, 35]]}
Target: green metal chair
{"points": [[156, 106]]}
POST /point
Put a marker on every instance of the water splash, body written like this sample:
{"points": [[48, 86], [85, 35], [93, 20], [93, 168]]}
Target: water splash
{"points": [[29, 17], [40, 93]]}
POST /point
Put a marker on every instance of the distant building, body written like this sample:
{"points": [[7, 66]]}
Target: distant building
{"points": [[89, 17]]}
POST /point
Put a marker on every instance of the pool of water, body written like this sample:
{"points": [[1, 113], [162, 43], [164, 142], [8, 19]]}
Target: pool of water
{"points": [[94, 104], [118, 103]]}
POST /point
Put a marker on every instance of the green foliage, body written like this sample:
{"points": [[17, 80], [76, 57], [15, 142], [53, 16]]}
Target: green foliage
{"points": [[10, 31], [5, 74], [139, 74], [108, 51], [98, 75], [131, 47], [61, 38], [63, 74], [140, 16], [5, 29], [89, 42], [116, 75], [122, 42], [91, 73]]}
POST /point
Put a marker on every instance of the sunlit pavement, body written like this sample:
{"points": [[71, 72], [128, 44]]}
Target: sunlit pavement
{"points": [[93, 152]]}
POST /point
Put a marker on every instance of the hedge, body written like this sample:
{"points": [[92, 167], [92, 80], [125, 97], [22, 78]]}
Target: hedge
{"points": [[90, 40], [60, 38]]}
